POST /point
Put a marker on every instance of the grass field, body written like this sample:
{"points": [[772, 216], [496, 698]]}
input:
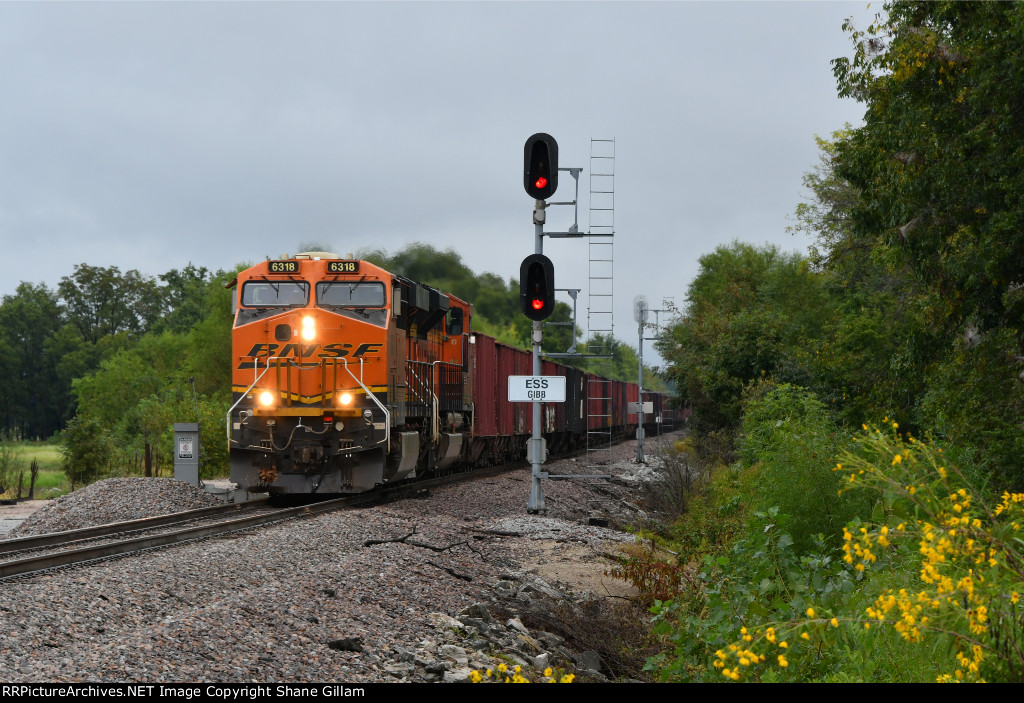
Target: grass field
{"points": [[51, 481]]}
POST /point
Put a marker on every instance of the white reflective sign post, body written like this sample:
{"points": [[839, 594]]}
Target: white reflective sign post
{"points": [[536, 389]]}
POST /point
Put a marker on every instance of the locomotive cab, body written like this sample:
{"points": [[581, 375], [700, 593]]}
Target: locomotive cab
{"points": [[344, 377]]}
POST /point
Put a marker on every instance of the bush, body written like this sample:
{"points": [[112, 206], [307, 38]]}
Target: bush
{"points": [[679, 478], [970, 549], [975, 400], [86, 450], [794, 439], [929, 590]]}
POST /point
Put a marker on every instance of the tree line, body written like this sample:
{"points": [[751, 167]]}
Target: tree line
{"points": [[110, 359], [868, 398], [911, 302]]}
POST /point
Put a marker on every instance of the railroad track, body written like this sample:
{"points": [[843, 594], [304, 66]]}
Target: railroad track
{"points": [[40, 553], [28, 555]]}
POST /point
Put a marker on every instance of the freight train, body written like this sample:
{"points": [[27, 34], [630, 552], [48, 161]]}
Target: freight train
{"points": [[345, 377]]}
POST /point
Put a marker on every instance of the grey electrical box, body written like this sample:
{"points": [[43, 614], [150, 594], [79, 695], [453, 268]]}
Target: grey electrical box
{"points": [[186, 452]]}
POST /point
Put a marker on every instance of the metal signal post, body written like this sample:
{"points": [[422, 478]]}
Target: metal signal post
{"points": [[540, 179], [640, 315], [537, 448]]}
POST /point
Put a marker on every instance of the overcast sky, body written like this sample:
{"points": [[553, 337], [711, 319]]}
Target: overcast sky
{"points": [[150, 135]]}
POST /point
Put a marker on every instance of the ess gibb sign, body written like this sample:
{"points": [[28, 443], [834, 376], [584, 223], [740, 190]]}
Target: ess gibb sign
{"points": [[532, 389]]}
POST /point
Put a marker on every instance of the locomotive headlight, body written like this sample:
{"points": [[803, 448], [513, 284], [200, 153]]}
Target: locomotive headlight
{"points": [[308, 328], [266, 398], [345, 398]]}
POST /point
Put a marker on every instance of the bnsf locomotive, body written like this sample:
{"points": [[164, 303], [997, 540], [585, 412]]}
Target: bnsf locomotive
{"points": [[345, 376]]}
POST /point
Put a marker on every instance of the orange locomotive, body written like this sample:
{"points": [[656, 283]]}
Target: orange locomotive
{"points": [[344, 377]]}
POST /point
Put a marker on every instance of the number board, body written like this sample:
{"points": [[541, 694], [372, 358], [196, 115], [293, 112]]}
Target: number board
{"points": [[283, 266], [342, 267]]}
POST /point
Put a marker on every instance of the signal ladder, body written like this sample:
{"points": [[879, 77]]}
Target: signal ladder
{"points": [[600, 301]]}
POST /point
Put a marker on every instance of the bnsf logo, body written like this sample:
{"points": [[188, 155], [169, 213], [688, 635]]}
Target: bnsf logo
{"points": [[314, 351]]}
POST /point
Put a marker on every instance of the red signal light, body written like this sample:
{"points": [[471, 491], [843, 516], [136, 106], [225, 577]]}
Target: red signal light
{"points": [[540, 167], [537, 286]]}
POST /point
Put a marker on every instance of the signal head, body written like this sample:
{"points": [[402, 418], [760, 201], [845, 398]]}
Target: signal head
{"points": [[537, 287], [540, 166]]}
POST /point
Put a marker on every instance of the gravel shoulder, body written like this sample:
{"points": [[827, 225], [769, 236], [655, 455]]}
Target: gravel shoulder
{"points": [[311, 600]]}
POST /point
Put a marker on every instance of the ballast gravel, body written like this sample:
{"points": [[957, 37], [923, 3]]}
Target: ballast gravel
{"points": [[115, 500], [273, 604]]}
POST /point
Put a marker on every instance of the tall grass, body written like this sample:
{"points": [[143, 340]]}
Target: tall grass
{"points": [[15, 461]]}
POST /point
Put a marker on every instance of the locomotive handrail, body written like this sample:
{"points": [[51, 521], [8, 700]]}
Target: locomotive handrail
{"points": [[371, 396], [421, 387], [435, 425]]}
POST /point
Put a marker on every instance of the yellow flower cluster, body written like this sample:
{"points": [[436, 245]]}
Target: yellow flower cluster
{"points": [[971, 566], [738, 658], [904, 611], [502, 674], [860, 546], [970, 554], [1009, 500]]}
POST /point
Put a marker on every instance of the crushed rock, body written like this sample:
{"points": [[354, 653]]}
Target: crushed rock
{"points": [[115, 500]]}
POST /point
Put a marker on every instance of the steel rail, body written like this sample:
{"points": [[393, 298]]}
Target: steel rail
{"points": [[20, 544], [88, 554]]}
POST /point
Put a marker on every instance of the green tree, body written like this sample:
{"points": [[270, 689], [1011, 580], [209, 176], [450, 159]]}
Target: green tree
{"points": [[749, 314], [103, 301], [33, 401], [183, 297], [939, 162], [871, 357], [937, 169]]}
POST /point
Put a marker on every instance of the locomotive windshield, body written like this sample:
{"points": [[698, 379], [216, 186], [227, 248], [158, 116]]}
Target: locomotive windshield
{"points": [[351, 295], [274, 294], [361, 300]]}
